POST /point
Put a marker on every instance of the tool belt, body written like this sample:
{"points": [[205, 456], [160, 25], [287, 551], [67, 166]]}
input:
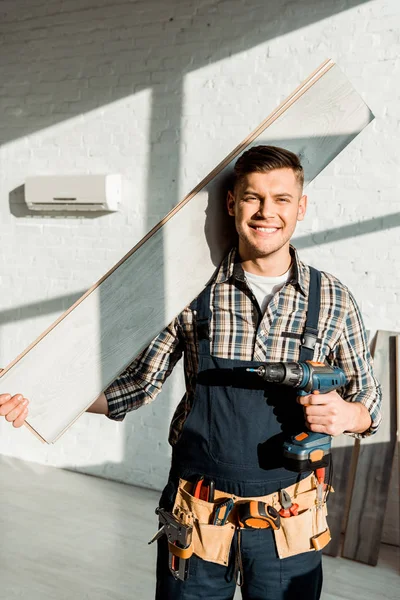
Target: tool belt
{"points": [[306, 531]]}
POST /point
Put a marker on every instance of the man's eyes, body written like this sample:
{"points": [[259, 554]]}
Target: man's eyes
{"points": [[254, 198]]}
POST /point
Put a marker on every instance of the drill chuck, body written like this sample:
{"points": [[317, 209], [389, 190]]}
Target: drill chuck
{"points": [[291, 374]]}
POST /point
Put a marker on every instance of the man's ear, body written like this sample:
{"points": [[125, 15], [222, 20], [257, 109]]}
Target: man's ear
{"points": [[230, 202], [302, 208]]}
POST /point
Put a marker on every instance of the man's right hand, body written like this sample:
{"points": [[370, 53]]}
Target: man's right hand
{"points": [[14, 408]]}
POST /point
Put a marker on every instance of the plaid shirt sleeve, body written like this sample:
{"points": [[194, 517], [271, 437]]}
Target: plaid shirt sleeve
{"points": [[140, 383], [353, 356]]}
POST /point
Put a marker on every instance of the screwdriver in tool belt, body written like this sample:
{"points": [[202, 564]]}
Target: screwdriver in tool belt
{"points": [[321, 485], [320, 475]]}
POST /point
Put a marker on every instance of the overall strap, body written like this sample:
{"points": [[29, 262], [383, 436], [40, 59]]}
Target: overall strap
{"points": [[310, 334], [202, 313]]}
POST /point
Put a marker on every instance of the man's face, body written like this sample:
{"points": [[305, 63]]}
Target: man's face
{"points": [[266, 207]]}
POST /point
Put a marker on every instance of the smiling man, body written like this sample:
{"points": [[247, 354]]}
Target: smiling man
{"points": [[266, 206], [228, 430]]}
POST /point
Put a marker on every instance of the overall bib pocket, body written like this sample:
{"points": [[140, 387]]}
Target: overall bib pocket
{"points": [[236, 415]]}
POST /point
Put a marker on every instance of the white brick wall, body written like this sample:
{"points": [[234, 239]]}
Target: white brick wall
{"points": [[161, 92]]}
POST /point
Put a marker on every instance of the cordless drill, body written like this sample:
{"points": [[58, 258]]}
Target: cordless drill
{"points": [[308, 450]]}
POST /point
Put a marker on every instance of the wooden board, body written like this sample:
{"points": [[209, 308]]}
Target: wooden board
{"points": [[398, 427], [65, 370], [374, 465], [391, 525], [344, 458]]}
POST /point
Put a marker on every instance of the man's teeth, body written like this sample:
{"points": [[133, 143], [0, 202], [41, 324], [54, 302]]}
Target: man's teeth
{"points": [[267, 229]]}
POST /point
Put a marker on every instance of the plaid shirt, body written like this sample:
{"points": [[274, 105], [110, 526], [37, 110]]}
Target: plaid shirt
{"points": [[239, 331]]}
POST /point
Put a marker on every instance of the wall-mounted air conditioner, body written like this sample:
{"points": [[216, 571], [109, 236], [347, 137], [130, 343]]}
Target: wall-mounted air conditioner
{"points": [[73, 192]]}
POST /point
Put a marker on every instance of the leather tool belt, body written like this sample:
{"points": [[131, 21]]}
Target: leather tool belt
{"points": [[306, 532]]}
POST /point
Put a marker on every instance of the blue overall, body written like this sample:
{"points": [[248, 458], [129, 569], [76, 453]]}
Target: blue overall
{"points": [[234, 434]]}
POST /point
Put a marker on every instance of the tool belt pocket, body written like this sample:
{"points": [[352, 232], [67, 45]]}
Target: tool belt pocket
{"points": [[306, 532], [210, 542]]}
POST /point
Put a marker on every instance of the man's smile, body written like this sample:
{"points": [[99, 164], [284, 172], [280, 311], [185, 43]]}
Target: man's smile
{"points": [[264, 230]]}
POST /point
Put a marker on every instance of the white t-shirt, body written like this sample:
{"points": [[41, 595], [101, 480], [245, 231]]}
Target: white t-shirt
{"points": [[265, 287]]}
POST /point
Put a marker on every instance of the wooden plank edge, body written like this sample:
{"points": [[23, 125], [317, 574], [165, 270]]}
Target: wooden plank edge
{"points": [[35, 433], [53, 441], [298, 92], [398, 417]]}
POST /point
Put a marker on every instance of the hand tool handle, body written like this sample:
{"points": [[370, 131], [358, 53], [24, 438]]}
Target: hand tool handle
{"points": [[204, 489], [222, 512]]}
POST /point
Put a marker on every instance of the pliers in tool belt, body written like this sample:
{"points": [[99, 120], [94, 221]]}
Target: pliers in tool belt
{"points": [[288, 508]]}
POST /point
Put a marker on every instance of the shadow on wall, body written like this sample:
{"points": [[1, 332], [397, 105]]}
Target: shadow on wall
{"points": [[69, 62], [73, 61], [350, 231]]}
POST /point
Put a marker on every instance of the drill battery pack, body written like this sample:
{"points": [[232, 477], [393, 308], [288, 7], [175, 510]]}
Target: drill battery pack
{"points": [[307, 451]]}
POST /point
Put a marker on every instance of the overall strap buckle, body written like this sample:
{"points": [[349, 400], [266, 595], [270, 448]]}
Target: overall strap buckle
{"points": [[310, 335], [309, 339]]}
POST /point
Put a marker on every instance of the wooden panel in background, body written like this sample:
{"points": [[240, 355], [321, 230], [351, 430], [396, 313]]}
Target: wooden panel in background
{"points": [[344, 459], [391, 526], [343, 468], [65, 370], [398, 433], [398, 428], [371, 485]]}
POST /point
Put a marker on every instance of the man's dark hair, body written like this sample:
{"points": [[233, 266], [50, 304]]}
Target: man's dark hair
{"points": [[261, 159]]}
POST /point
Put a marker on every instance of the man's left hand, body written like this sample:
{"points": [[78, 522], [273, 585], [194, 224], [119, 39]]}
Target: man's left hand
{"points": [[329, 413]]}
